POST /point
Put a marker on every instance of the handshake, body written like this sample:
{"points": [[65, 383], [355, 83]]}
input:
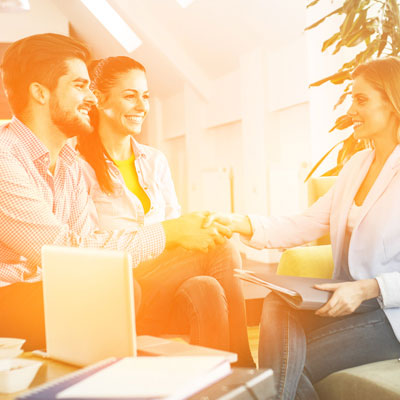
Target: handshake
{"points": [[204, 230]]}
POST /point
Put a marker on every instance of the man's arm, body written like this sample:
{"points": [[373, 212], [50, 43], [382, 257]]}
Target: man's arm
{"points": [[28, 223]]}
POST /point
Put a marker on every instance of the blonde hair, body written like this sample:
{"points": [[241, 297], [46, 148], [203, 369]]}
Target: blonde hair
{"points": [[384, 75]]}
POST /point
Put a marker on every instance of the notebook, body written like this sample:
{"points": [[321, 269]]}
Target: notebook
{"points": [[167, 378], [89, 309], [298, 291]]}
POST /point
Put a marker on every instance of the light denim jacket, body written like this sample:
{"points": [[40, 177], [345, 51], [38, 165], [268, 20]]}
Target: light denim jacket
{"points": [[122, 209], [374, 249]]}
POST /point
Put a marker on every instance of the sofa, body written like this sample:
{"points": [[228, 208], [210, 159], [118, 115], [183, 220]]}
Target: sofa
{"points": [[378, 381]]}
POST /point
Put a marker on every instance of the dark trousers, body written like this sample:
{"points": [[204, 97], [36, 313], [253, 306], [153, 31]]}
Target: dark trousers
{"points": [[197, 290], [303, 348]]}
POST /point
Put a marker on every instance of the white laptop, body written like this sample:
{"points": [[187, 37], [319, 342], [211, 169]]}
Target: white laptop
{"points": [[88, 304], [89, 309]]}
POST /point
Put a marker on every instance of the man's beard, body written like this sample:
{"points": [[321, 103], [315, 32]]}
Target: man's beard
{"points": [[70, 125]]}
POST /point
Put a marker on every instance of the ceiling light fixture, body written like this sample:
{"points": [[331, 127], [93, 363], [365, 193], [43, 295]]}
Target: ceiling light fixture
{"points": [[185, 3], [14, 5], [113, 22]]}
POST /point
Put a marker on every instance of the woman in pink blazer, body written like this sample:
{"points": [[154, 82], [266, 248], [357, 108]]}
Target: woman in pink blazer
{"points": [[361, 321]]}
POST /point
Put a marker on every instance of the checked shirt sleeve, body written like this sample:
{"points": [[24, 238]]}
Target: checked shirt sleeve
{"points": [[28, 222]]}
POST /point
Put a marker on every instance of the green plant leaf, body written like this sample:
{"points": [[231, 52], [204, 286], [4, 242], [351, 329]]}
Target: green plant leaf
{"points": [[382, 43], [330, 41], [333, 171], [347, 150], [347, 24], [343, 122], [350, 147], [341, 100], [336, 79], [350, 5], [340, 77], [358, 23], [362, 56], [337, 11], [313, 3], [376, 24], [339, 44], [360, 36], [319, 162]]}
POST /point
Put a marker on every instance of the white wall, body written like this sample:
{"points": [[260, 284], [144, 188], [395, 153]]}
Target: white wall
{"points": [[262, 121], [245, 127], [43, 17], [323, 98], [256, 124]]}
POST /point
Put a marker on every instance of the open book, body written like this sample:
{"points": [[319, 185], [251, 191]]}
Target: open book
{"points": [[131, 378], [299, 292]]}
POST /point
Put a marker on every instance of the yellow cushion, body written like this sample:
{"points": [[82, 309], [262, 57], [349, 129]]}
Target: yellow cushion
{"points": [[317, 187], [312, 261]]}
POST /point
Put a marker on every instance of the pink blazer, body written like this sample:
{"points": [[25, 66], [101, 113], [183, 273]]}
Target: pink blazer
{"points": [[374, 249]]}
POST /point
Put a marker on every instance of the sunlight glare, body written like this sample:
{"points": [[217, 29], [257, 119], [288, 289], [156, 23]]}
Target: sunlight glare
{"points": [[113, 22]]}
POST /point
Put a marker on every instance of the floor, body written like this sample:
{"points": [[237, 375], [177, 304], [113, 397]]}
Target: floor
{"points": [[254, 296], [253, 332]]}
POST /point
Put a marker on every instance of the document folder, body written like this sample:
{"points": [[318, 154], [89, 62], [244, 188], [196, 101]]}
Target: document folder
{"points": [[298, 291]]}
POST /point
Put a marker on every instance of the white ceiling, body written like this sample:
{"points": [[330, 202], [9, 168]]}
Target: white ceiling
{"points": [[195, 44]]}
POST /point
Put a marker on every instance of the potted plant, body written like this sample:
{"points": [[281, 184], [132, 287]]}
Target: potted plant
{"points": [[376, 23]]}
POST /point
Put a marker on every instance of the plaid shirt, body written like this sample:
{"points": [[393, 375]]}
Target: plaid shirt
{"points": [[37, 208]]}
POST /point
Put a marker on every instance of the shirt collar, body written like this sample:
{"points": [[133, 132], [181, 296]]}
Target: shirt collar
{"points": [[394, 158], [36, 149], [68, 154], [137, 149]]}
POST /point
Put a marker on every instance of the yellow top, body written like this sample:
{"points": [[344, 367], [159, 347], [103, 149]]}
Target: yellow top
{"points": [[129, 173]]}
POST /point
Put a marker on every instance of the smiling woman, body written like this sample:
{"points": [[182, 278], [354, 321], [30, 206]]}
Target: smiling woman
{"points": [[130, 183], [362, 215]]}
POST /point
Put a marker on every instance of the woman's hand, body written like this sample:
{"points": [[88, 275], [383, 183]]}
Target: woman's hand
{"points": [[235, 222], [347, 296], [188, 231]]}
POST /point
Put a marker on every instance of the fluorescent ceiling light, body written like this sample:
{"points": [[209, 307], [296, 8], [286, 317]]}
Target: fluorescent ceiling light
{"points": [[184, 3], [14, 5], [113, 22]]}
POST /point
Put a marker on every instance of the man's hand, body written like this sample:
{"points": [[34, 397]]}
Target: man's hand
{"points": [[188, 231], [347, 296], [235, 222]]}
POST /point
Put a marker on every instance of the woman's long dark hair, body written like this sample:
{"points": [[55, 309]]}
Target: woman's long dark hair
{"points": [[103, 75]]}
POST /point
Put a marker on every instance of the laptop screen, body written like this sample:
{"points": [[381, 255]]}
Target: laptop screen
{"points": [[88, 304]]}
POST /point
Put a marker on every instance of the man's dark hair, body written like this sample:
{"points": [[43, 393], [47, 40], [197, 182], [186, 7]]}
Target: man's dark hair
{"points": [[38, 58]]}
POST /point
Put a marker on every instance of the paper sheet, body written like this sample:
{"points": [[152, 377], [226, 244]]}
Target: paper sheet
{"points": [[146, 377]]}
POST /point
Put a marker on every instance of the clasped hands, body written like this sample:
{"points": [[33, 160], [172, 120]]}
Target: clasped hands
{"points": [[204, 230]]}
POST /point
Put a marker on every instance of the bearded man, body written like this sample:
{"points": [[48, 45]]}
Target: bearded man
{"points": [[43, 196]]}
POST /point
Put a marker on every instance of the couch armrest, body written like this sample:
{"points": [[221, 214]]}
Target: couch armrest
{"points": [[312, 261]]}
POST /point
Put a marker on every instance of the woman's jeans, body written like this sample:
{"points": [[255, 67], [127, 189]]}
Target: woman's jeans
{"points": [[302, 348], [195, 292]]}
